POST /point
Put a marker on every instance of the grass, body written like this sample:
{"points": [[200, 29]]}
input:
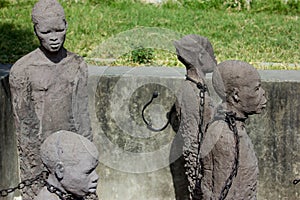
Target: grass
{"points": [[266, 33]]}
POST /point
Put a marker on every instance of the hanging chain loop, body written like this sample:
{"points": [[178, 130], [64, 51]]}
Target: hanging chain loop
{"points": [[149, 124], [231, 118], [195, 192], [28, 182], [40, 178]]}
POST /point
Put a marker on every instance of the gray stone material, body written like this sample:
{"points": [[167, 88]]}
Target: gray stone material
{"points": [[49, 90], [8, 144], [277, 149], [230, 166], [71, 160]]}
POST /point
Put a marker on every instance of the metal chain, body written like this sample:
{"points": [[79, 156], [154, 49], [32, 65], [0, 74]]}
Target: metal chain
{"points": [[28, 182], [230, 118], [296, 181], [62, 195], [42, 177], [195, 192]]}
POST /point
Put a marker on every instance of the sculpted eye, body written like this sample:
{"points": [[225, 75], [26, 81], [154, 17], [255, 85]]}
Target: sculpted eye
{"points": [[90, 171], [60, 30], [45, 32], [257, 87]]}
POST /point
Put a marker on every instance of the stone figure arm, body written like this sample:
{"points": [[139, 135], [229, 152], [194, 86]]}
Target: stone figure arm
{"points": [[80, 102], [26, 120]]}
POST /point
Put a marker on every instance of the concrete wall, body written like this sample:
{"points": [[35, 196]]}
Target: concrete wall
{"points": [[134, 162], [8, 149]]}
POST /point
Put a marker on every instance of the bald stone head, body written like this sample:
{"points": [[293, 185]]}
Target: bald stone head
{"points": [[197, 52], [50, 26], [238, 83], [72, 160], [45, 9], [67, 147]]}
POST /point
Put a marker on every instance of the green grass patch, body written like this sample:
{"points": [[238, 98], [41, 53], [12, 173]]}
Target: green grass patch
{"points": [[265, 33]]}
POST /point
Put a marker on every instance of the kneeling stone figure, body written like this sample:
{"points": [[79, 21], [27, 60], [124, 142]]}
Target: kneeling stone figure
{"points": [[71, 160]]}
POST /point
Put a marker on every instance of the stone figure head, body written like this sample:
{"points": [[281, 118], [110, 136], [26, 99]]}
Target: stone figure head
{"points": [[238, 84], [50, 24], [71, 160], [196, 52]]}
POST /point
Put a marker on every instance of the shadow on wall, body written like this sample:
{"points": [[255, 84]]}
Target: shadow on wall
{"points": [[15, 42]]}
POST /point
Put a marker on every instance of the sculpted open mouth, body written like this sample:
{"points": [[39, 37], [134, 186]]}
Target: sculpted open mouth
{"points": [[55, 46], [263, 106], [93, 189]]}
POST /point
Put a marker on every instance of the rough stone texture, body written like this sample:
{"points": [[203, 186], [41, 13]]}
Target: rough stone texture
{"points": [[136, 159], [49, 91], [277, 149], [157, 180], [227, 153], [8, 151], [71, 160], [196, 53], [47, 97]]}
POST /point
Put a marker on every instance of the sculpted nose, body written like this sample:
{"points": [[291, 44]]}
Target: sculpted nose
{"points": [[95, 177], [53, 37]]}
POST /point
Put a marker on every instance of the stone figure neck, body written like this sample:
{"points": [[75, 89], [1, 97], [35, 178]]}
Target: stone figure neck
{"points": [[229, 107], [196, 74], [55, 57], [52, 180]]}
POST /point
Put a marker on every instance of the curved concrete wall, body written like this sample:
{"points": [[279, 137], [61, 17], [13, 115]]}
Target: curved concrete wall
{"points": [[134, 162]]}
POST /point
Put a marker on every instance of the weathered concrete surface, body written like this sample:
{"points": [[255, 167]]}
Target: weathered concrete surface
{"points": [[122, 177], [134, 161], [8, 148]]}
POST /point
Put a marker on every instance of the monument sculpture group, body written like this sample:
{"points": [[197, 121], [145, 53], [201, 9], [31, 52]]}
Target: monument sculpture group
{"points": [[50, 104], [49, 90]]}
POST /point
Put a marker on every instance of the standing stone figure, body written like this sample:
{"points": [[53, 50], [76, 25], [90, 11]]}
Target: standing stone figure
{"points": [[71, 160], [49, 90], [194, 109], [230, 169]]}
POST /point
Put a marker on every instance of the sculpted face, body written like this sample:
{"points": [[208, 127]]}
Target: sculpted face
{"points": [[251, 95], [238, 84], [51, 33], [81, 178]]}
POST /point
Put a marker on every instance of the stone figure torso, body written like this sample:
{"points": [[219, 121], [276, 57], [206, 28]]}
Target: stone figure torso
{"points": [[188, 106], [47, 97], [218, 151]]}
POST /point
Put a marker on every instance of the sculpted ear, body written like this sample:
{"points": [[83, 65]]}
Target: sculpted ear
{"points": [[59, 170], [66, 24], [235, 95], [34, 28]]}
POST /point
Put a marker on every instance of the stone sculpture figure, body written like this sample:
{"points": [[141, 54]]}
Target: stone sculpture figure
{"points": [[71, 160], [49, 90], [192, 112], [230, 168]]}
